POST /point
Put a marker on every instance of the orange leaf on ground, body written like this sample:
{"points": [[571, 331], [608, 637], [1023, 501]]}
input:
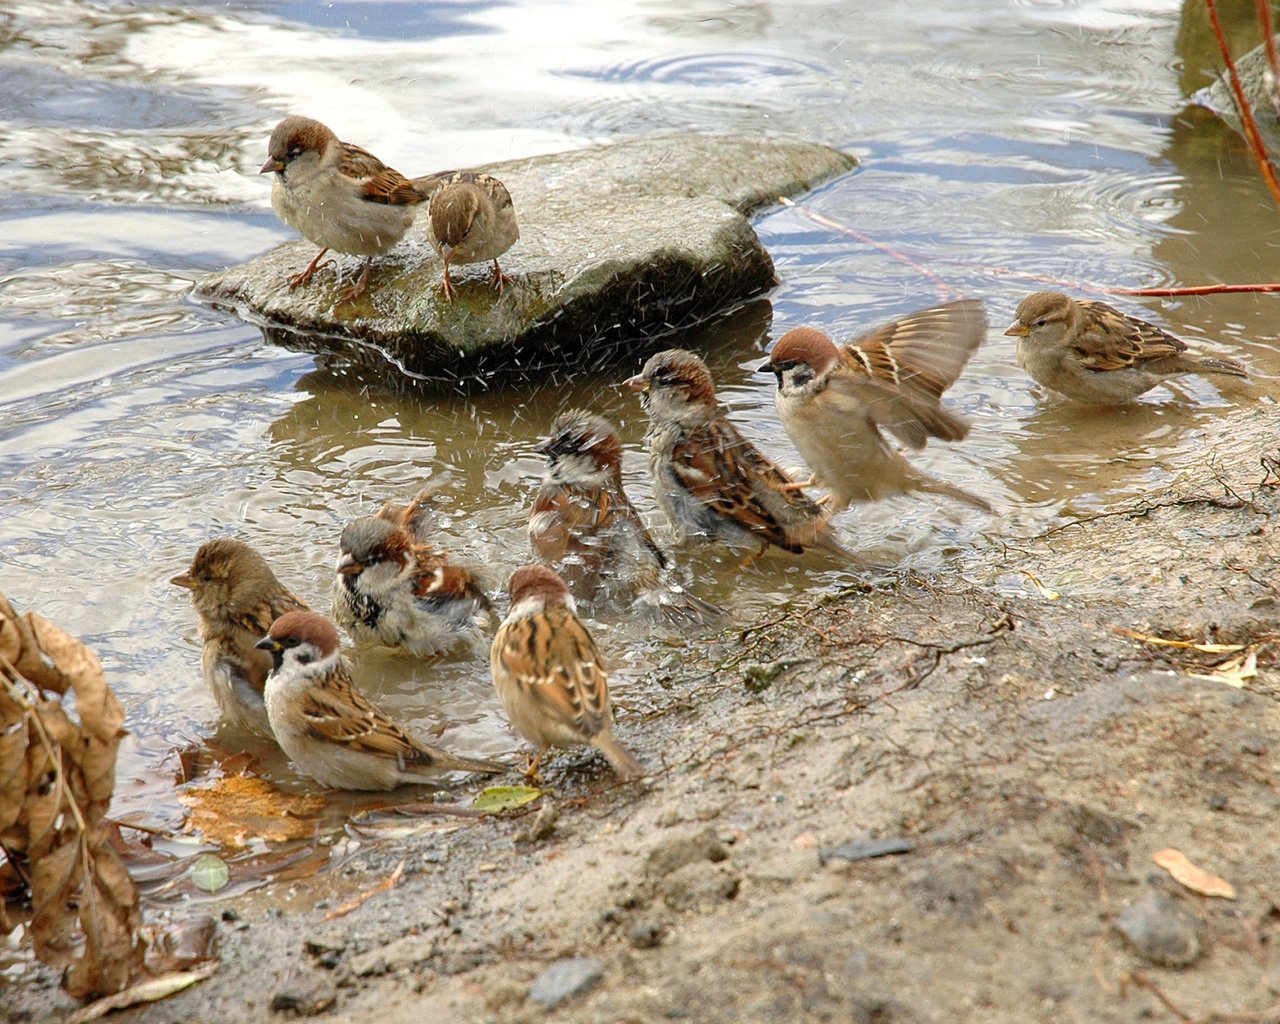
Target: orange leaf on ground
{"points": [[234, 810], [1196, 879]]}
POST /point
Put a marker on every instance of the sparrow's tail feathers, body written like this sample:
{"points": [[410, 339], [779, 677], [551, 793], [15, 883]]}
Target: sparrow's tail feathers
{"points": [[677, 607], [623, 763], [1219, 364], [932, 485]]}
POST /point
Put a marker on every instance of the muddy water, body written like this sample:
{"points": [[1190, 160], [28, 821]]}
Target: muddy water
{"points": [[1003, 145]]}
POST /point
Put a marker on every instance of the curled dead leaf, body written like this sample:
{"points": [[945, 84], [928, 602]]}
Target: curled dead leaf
{"points": [[232, 811], [1192, 877]]}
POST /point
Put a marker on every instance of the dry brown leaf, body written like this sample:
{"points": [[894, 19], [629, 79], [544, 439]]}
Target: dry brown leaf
{"points": [[1147, 638], [234, 810], [1194, 878], [144, 992], [177, 946], [1234, 671]]}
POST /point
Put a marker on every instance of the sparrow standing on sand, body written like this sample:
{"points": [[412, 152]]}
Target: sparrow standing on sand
{"points": [[583, 524], [329, 729], [549, 674], [394, 589], [472, 221], [337, 195], [834, 402], [1092, 352], [711, 482], [237, 597]]}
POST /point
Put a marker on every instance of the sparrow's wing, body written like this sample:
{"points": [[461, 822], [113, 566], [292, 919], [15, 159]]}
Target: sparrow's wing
{"points": [[568, 528], [895, 376], [245, 664], [437, 581], [338, 713], [727, 473], [1111, 340], [557, 665], [378, 182]]}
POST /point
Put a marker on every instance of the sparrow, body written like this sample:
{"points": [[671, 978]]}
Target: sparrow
{"points": [[583, 524], [1092, 352], [710, 482], [339, 196], [835, 402], [549, 674], [328, 728], [395, 589], [237, 597], [472, 220]]}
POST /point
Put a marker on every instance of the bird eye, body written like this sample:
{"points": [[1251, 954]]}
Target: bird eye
{"points": [[293, 153], [206, 577], [1040, 323], [289, 641]]}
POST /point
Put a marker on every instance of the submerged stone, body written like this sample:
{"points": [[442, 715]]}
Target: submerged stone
{"points": [[617, 242]]}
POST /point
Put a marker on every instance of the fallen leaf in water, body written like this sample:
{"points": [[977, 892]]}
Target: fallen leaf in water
{"points": [[144, 992], [1184, 644], [1196, 879], [209, 873], [235, 810], [1047, 593], [500, 798]]}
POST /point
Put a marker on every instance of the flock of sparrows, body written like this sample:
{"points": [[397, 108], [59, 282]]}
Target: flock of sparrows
{"points": [[276, 667]]}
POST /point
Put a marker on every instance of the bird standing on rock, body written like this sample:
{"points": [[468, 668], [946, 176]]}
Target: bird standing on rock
{"points": [[472, 220], [339, 196], [1092, 352]]}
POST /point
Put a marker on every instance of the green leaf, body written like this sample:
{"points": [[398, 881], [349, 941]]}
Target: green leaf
{"points": [[499, 798], [209, 872]]}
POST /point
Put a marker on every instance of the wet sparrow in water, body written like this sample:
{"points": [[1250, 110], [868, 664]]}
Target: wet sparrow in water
{"points": [[834, 402], [549, 673], [394, 589], [1092, 352], [337, 195], [329, 729], [237, 597], [472, 221], [711, 482], [583, 525]]}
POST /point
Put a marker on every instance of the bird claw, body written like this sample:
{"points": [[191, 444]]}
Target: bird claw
{"points": [[497, 278]]}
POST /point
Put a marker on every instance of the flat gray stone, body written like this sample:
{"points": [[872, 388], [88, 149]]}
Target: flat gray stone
{"points": [[566, 978], [616, 242], [1160, 930]]}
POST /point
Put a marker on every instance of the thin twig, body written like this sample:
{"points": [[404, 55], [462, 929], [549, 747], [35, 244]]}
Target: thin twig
{"points": [[356, 902], [1251, 132]]}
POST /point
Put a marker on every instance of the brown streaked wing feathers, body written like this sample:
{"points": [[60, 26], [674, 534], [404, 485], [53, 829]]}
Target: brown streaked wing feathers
{"points": [[381, 184], [369, 731], [722, 469], [1110, 340], [554, 660]]}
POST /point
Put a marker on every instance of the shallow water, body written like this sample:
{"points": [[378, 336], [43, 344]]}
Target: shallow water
{"points": [[1003, 146]]}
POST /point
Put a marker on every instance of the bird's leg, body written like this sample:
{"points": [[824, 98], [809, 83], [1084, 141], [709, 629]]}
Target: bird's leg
{"points": [[497, 279], [797, 485], [306, 276], [361, 286], [531, 772], [754, 556], [446, 284]]}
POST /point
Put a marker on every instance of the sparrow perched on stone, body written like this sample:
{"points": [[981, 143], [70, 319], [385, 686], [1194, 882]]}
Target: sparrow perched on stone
{"points": [[583, 524], [1092, 352], [395, 589], [549, 673], [712, 483], [472, 220], [337, 195], [329, 729], [835, 402], [237, 597]]}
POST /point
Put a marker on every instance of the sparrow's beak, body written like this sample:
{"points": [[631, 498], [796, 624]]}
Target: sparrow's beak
{"points": [[1018, 329], [269, 643], [184, 581], [273, 163], [767, 368], [636, 383], [348, 566]]}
